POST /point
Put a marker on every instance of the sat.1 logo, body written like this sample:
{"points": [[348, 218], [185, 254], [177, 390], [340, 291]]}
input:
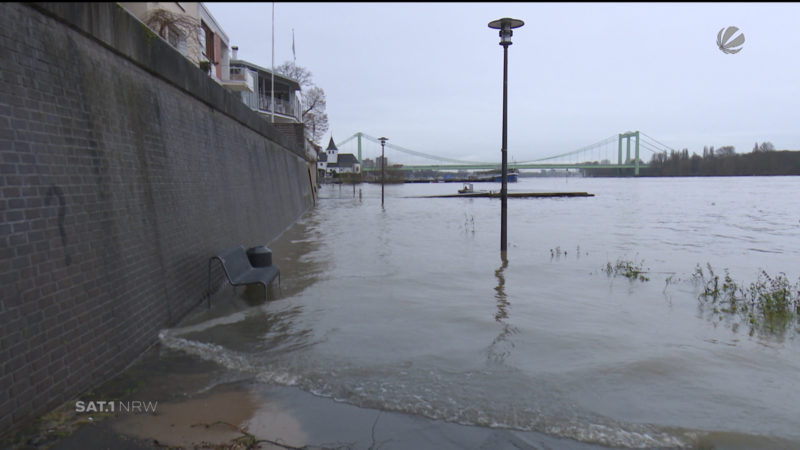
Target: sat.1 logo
{"points": [[725, 43]]}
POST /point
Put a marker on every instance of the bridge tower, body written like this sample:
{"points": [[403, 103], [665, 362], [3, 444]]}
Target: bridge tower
{"points": [[627, 136], [359, 147]]}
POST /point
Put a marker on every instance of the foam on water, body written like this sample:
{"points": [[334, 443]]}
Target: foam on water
{"points": [[437, 395]]}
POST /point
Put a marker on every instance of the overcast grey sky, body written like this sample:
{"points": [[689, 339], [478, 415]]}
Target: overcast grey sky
{"points": [[429, 76]]}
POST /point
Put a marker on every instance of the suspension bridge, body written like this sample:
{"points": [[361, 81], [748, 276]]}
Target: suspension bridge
{"points": [[602, 154]]}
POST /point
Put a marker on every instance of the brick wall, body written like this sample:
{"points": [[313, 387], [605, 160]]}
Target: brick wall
{"points": [[123, 168], [293, 131]]}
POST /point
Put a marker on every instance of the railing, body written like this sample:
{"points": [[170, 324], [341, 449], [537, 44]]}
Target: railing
{"points": [[259, 97], [284, 107]]}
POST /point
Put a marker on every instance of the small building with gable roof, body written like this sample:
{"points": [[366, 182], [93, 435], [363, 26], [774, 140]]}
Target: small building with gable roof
{"points": [[332, 162]]}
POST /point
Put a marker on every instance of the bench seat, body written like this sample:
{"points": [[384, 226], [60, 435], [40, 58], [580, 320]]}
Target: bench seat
{"points": [[239, 272]]}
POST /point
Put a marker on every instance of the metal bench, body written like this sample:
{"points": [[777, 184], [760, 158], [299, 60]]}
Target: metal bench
{"points": [[237, 267]]}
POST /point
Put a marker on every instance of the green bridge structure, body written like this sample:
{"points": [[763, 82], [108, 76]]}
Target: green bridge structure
{"points": [[589, 157]]}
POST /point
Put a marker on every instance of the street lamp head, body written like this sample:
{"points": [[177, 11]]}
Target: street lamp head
{"points": [[383, 140], [505, 25]]}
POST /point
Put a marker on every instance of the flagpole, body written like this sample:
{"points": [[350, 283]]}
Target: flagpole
{"points": [[272, 86]]}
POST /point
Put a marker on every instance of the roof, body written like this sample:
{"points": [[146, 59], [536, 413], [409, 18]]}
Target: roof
{"points": [[322, 157], [331, 145], [290, 81], [347, 160]]}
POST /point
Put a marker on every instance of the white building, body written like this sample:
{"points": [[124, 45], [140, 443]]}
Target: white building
{"points": [[332, 162]]}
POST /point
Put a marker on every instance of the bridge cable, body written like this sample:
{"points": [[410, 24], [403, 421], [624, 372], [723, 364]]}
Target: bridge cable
{"points": [[655, 147], [346, 140], [425, 155], [574, 152], [650, 148], [657, 142]]}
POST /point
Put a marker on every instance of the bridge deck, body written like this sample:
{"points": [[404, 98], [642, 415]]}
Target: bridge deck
{"points": [[512, 195], [510, 166]]}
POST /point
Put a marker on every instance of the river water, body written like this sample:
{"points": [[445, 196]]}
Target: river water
{"points": [[410, 308]]}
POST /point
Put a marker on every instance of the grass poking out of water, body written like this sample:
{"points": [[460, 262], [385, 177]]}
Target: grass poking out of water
{"points": [[769, 304], [628, 269]]}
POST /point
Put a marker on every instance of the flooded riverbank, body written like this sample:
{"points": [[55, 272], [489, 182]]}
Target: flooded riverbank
{"points": [[409, 311]]}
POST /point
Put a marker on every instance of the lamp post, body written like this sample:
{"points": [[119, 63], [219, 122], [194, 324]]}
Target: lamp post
{"points": [[505, 25], [383, 163]]}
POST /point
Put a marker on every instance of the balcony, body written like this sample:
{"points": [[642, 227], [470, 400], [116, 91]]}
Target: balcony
{"points": [[240, 80], [284, 108]]}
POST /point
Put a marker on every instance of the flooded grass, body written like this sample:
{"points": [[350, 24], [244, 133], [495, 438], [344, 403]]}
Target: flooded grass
{"points": [[771, 304], [628, 269]]}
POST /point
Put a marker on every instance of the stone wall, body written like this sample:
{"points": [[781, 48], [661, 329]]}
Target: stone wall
{"points": [[123, 168]]}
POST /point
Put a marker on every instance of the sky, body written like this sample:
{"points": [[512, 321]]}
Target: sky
{"points": [[429, 76]]}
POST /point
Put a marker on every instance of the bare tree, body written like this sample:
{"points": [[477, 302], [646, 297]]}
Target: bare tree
{"points": [[298, 73], [314, 116], [766, 147], [178, 30], [726, 150], [313, 101]]}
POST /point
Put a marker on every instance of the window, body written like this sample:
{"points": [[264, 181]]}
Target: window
{"points": [[209, 43]]}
